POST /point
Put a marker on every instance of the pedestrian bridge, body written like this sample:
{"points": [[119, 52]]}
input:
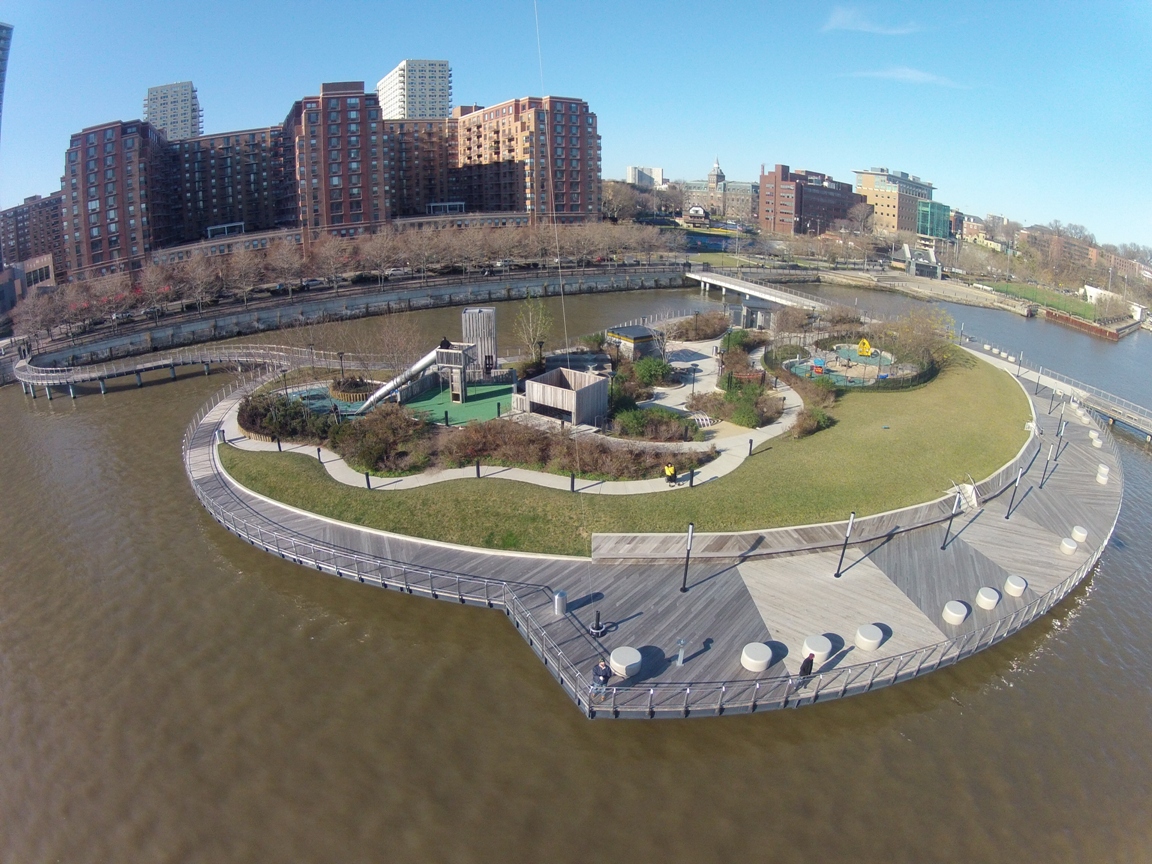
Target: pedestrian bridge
{"points": [[764, 291]]}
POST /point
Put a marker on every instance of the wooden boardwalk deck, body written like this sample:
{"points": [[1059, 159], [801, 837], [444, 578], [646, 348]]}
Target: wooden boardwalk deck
{"points": [[898, 580]]}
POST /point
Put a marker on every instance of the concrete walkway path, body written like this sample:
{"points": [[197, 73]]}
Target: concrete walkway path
{"points": [[732, 450]]}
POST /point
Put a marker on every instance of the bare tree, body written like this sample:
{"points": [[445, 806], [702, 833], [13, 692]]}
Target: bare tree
{"points": [[533, 325], [330, 259], [424, 248], [861, 218], [198, 275], [156, 288], [619, 200], [381, 251], [284, 263], [113, 296], [247, 271]]}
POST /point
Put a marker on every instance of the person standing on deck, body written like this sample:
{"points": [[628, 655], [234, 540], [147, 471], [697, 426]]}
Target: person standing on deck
{"points": [[806, 666], [601, 674]]}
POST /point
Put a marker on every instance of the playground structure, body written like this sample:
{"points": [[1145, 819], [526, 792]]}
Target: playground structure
{"points": [[852, 365], [457, 363]]}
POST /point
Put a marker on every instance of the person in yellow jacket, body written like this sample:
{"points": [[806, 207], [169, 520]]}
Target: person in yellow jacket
{"points": [[670, 474]]}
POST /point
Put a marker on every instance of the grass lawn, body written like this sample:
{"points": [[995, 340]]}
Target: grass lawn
{"points": [[1048, 297], [970, 420]]}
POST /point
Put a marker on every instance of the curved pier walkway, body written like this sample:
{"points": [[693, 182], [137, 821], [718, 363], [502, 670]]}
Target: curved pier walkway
{"points": [[779, 589]]}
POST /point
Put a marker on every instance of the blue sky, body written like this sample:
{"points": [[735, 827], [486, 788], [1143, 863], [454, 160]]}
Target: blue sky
{"points": [[1038, 111]]}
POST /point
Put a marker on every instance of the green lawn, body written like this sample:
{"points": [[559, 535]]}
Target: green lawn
{"points": [[1048, 297], [970, 420]]}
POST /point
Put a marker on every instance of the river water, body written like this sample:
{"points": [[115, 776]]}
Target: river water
{"points": [[168, 693]]}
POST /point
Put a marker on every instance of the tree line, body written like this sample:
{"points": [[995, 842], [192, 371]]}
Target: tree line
{"points": [[203, 279]]}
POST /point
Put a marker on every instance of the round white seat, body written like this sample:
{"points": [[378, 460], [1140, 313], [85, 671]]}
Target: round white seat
{"points": [[625, 661], [869, 637], [821, 646], [987, 598], [1102, 479], [756, 657], [1067, 545], [1079, 533], [1011, 358], [1097, 443], [1101, 468], [1014, 585], [955, 612], [987, 346], [1093, 434]]}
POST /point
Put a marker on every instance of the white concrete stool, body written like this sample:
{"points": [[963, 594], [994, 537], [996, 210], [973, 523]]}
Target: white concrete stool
{"points": [[821, 646], [987, 598], [1079, 533], [955, 612], [1067, 545], [1093, 434], [1097, 443], [869, 637], [1014, 585], [1102, 472], [987, 347], [756, 657], [625, 661], [1011, 358]]}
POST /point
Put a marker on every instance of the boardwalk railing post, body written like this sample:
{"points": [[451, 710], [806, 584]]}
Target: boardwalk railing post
{"points": [[844, 548], [687, 558], [951, 516], [1015, 486]]}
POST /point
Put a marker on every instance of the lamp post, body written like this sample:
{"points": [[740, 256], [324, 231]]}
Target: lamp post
{"points": [[694, 367], [540, 351], [312, 356], [340, 357], [844, 548], [284, 379], [687, 556], [696, 326]]}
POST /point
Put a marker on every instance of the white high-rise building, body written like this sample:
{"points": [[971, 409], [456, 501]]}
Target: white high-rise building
{"points": [[416, 90], [646, 178], [175, 110]]}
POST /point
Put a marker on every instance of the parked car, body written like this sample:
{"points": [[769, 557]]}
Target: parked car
{"points": [[393, 272], [311, 283]]}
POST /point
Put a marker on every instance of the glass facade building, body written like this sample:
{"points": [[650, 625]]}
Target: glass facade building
{"points": [[933, 219]]}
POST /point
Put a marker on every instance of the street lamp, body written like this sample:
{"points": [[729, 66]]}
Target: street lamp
{"points": [[340, 356], [540, 351], [284, 379], [696, 326], [694, 367], [687, 556]]}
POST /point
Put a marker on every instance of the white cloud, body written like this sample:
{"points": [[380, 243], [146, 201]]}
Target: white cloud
{"points": [[908, 75], [850, 18]]}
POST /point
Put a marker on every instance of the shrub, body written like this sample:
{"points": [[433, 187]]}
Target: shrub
{"points": [[811, 420], [351, 384], [651, 370], [593, 341], [389, 439], [657, 424], [280, 417], [706, 325]]}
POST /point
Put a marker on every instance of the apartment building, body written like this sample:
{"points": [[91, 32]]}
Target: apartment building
{"points": [[419, 176], [5, 44], [802, 202], [174, 109], [540, 155], [416, 90], [332, 149], [118, 185], [32, 229], [231, 183], [894, 196], [645, 178]]}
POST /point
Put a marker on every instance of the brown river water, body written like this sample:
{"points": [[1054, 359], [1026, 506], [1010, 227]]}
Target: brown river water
{"points": [[170, 694]]}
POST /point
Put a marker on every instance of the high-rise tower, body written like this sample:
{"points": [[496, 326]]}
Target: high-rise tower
{"points": [[5, 42], [174, 109], [416, 90]]}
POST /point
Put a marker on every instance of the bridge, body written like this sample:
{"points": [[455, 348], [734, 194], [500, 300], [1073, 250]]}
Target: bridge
{"points": [[763, 290]]}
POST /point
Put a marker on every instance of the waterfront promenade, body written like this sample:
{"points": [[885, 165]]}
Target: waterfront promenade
{"points": [[773, 587]]}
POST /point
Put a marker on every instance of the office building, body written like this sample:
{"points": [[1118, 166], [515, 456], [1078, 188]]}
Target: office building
{"points": [[646, 178], [33, 229], [174, 109], [332, 149], [934, 219], [894, 196], [539, 155], [118, 189], [724, 199], [802, 202], [5, 44], [416, 90]]}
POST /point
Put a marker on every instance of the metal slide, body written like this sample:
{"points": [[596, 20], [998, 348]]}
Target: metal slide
{"points": [[400, 380]]}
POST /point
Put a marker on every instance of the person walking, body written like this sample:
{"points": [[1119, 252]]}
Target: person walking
{"points": [[601, 674], [670, 474], [806, 666]]}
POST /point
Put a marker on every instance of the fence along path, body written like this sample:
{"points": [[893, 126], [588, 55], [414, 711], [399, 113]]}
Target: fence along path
{"points": [[709, 684]]}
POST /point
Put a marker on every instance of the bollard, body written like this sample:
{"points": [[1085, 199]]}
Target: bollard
{"points": [[572, 482], [691, 476], [279, 449], [318, 459], [139, 380], [477, 469], [445, 418], [749, 446], [206, 365], [497, 410], [560, 603], [172, 369], [71, 391], [367, 480], [102, 390], [48, 392]]}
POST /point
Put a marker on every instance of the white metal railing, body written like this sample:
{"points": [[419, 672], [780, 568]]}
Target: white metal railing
{"points": [[646, 700]]}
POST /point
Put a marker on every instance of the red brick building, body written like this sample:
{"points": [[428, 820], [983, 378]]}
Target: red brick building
{"points": [[802, 202], [32, 229]]}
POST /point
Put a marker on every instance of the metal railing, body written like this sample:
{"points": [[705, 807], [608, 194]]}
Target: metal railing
{"points": [[651, 700]]}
